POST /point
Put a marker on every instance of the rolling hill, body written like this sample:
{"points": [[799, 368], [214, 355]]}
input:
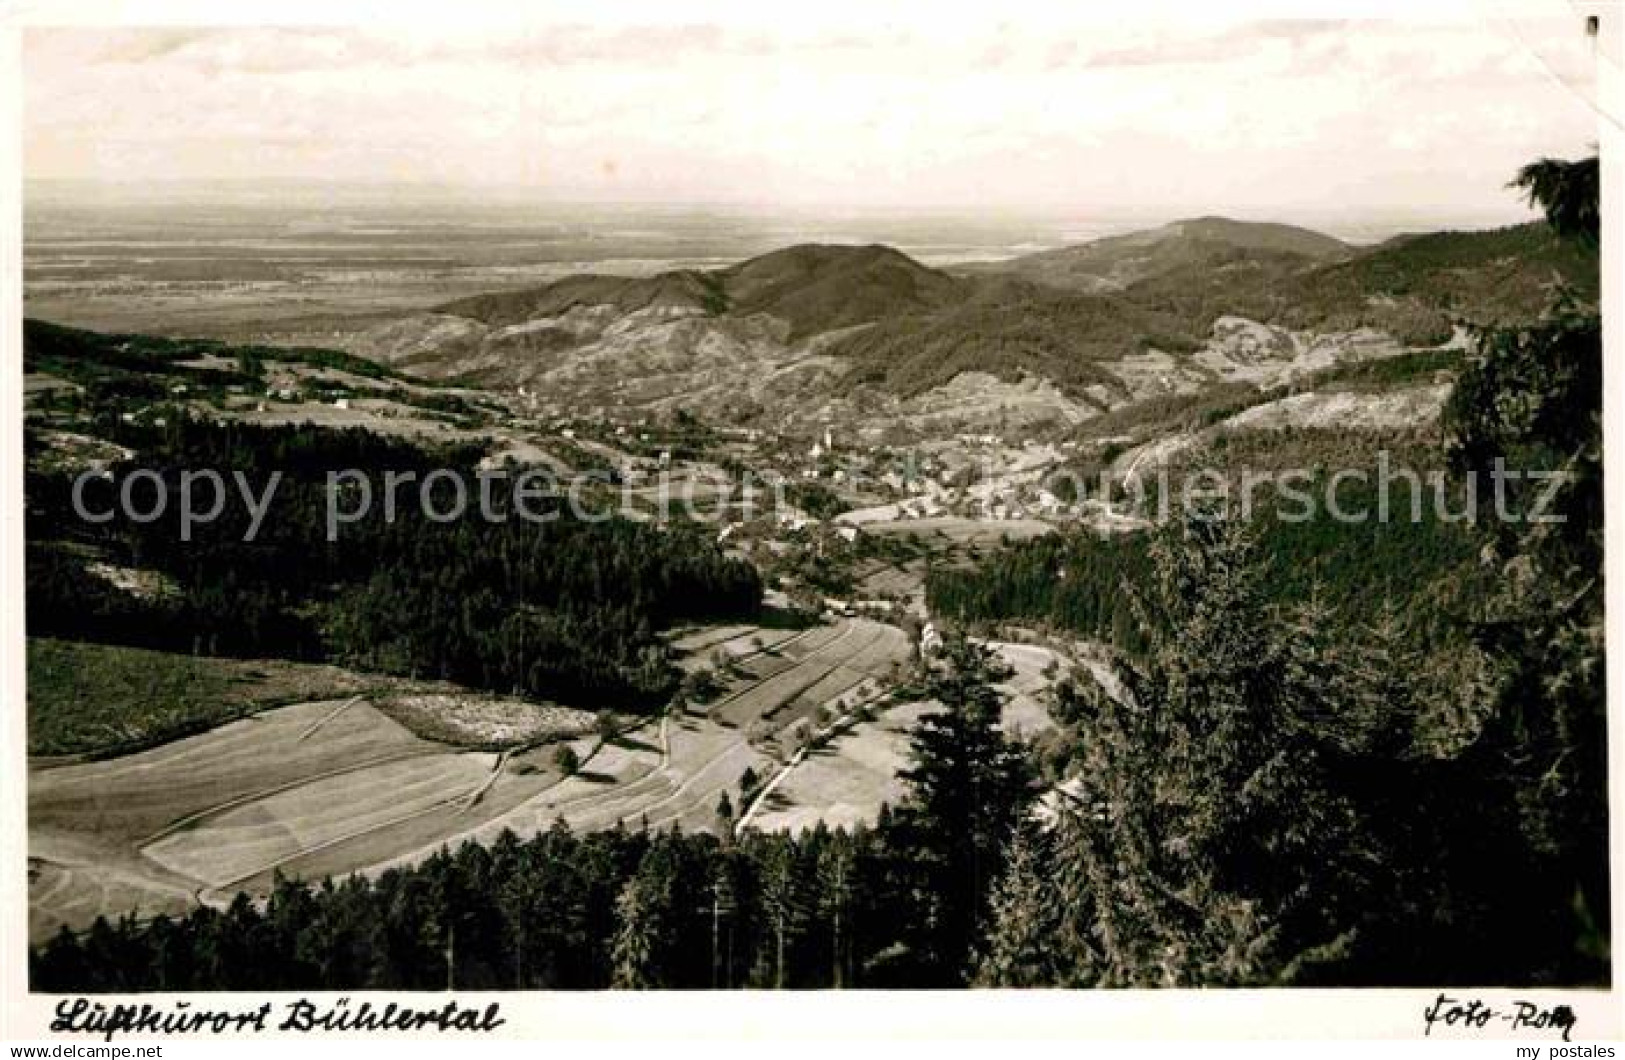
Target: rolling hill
{"points": [[817, 288], [683, 289], [1416, 288], [1119, 262]]}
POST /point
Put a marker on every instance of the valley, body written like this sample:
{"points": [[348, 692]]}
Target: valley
{"points": [[847, 422], [1088, 511]]}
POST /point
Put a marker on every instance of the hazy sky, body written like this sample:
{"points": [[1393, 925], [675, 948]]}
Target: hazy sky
{"points": [[884, 109]]}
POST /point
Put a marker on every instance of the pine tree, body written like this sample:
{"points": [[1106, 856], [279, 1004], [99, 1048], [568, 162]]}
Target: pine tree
{"points": [[1532, 397], [635, 950], [783, 903], [967, 788], [836, 885], [724, 906], [1023, 926], [1207, 810]]}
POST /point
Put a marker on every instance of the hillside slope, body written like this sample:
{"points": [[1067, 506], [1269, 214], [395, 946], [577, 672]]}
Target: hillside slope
{"points": [[1493, 277], [586, 322], [1004, 328]]}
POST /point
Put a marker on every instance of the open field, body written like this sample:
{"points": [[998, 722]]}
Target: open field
{"points": [[888, 580], [134, 796], [803, 673], [1024, 712], [291, 268], [705, 638], [74, 883], [674, 773], [700, 648], [382, 417], [658, 774], [846, 781], [88, 821], [97, 700]]}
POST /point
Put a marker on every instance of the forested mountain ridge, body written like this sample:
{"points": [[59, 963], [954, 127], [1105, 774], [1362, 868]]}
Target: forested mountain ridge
{"points": [[1006, 328], [818, 288]]}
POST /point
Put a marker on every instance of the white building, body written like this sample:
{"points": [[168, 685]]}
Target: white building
{"points": [[930, 639]]}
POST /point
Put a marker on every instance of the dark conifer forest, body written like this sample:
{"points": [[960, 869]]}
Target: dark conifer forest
{"points": [[567, 607]]}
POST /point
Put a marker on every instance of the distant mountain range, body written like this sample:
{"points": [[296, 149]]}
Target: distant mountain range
{"points": [[813, 324], [1118, 262], [813, 288]]}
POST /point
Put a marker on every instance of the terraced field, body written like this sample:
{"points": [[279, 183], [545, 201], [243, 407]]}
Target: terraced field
{"points": [[235, 844], [157, 830], [802, 673], [335, 787], [703, 761], [704, 639], [674, 773], [734, 642]]}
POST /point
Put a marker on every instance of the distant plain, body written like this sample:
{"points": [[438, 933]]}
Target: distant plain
{"points": [[296, 270]]}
